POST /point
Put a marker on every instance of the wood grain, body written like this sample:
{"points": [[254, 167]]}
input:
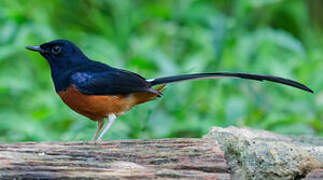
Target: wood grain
{"points": [[125, 159]]}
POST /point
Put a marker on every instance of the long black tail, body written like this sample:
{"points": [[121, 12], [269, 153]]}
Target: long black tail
{"points": [[219, 75]]}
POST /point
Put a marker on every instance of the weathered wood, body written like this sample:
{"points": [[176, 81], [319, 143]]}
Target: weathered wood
{"points": [[133, 159], [316, 174]]}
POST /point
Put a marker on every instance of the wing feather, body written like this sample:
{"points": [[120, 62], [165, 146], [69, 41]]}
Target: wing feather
{"points": [[110, 82]]}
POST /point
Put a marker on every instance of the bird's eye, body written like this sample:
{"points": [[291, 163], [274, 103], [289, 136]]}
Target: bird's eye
{"points": [[56, 50]]}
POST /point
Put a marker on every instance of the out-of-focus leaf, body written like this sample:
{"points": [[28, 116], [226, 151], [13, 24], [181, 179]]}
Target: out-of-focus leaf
{"points": [[161, 124], [162, 38], [235, 110], [220, 35]]}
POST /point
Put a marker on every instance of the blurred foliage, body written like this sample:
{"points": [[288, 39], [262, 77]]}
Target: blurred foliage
{"points": [[158, 38]]}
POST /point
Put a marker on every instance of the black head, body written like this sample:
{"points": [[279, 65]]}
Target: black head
{"points": [[60, 54]]}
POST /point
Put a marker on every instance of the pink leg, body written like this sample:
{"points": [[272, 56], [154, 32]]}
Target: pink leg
{"points": [[111, 117], [100, 125]]}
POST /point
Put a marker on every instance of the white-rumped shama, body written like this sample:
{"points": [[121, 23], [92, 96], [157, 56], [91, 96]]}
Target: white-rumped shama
{"points": [[97, 90]]}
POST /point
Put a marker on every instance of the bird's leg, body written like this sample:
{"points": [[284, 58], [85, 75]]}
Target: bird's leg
{"points": [[111, 118], [100, 125]]}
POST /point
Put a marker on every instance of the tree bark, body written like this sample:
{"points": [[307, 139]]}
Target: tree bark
{"points": [[124, 159], [316, 174], [245, 154]]}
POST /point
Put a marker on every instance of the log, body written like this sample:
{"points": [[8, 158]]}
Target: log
{"points": [[224, 153], [316, 174], [118, 159]]}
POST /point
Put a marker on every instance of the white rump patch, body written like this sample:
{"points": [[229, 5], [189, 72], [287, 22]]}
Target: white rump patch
{"points": [[150, 80]]}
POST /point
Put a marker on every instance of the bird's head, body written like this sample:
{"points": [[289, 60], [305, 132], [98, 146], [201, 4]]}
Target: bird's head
{"points": [[60, 53]]}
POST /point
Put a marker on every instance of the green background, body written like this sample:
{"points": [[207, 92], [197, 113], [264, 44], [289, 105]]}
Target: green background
{"points": [[159, 38]]}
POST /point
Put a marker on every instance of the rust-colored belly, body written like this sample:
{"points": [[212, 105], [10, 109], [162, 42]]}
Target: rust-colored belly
{"points": [[99, 107], [93, 106]]}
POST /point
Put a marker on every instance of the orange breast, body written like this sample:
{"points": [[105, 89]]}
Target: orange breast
{"points": [[99, 107], [93, 106]]}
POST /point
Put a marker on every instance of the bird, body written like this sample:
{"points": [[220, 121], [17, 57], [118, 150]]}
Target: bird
{"points": [[99, 91]]}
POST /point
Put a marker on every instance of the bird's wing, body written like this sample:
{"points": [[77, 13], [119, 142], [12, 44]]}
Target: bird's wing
{"points": [[110, 83]]}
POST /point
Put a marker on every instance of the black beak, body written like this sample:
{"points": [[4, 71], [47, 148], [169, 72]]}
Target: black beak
{"points": [[34, 48]]}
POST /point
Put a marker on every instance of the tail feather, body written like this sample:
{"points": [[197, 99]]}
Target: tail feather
{"points": [[258, 77]]}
